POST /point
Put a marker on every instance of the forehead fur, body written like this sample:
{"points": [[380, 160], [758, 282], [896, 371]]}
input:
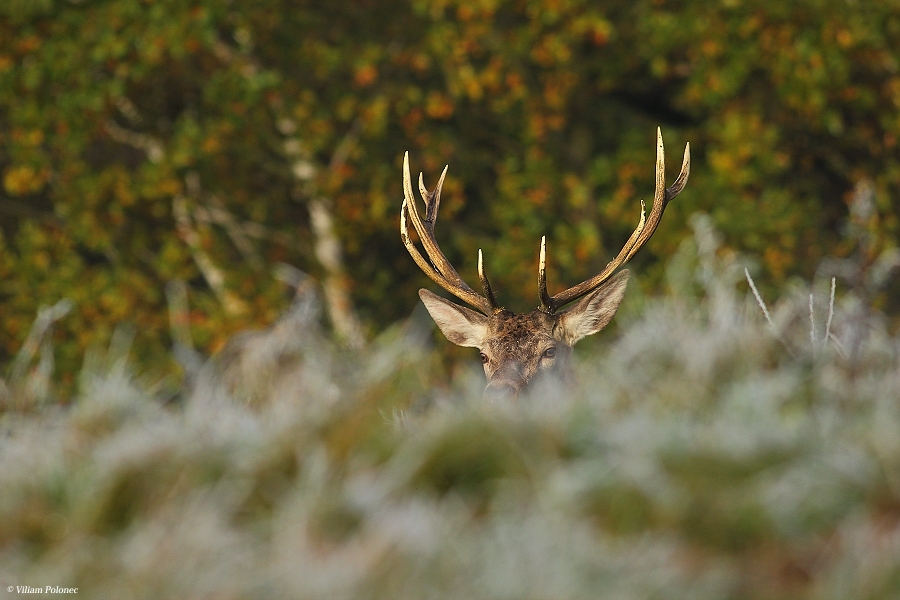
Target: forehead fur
{"points": [[509, 333]]}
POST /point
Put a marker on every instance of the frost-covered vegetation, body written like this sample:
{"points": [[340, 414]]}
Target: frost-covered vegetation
{"points": [[706, 453]]}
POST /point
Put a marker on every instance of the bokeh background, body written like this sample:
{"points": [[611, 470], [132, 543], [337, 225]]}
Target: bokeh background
{"points": [[186, 179], [207, 141]]}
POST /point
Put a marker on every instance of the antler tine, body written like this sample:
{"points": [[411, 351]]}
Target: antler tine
{"points": [[546, 300], [485, 284], [439, 269], [645, 229], [426, 229], [662, 195], [417, 257], [432, 199], [681, 181]]}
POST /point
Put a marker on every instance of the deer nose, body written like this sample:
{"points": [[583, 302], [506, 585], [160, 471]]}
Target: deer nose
{"points": [[500, 391], [506, 383]]}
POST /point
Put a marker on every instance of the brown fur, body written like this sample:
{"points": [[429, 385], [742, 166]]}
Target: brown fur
{"points": [[514, 347]]}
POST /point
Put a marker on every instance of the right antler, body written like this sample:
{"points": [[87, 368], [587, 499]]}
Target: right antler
{"points": [[644, 230], [439, 269]]}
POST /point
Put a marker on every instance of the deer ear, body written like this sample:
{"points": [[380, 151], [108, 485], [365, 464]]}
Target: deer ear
{"points": [[594, 312], [460, 325]]}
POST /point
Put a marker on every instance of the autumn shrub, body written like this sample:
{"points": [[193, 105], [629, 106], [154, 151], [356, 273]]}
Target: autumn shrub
{"points": [[206, 141]]}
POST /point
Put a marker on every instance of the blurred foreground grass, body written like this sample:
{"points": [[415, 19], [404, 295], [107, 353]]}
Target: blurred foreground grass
{"points": [[705, 454]]}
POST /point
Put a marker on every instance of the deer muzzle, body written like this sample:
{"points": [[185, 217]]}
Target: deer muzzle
{"points": [[506, 384]]}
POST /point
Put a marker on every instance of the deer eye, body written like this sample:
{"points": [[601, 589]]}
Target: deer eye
{"points": [[484, 358], [550, 352]]}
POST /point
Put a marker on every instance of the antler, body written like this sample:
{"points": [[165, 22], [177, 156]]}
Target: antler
{"points": [[439, 269], [644, 230]]}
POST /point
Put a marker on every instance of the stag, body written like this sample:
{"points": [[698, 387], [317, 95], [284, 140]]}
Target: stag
{"points": [[518, 349]]}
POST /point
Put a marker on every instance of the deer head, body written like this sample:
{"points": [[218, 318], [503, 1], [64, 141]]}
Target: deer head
{"points": [[517, 349]]}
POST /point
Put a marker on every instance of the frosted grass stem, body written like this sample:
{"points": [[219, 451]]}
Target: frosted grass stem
{"points": [[759, 299], [830, 315], [812, 325], [765, 310]]}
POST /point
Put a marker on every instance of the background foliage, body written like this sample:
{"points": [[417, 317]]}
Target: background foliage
{"points": [[143, 142]]}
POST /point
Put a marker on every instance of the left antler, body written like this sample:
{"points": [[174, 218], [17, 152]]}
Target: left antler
{"points": [[645, 229]]}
